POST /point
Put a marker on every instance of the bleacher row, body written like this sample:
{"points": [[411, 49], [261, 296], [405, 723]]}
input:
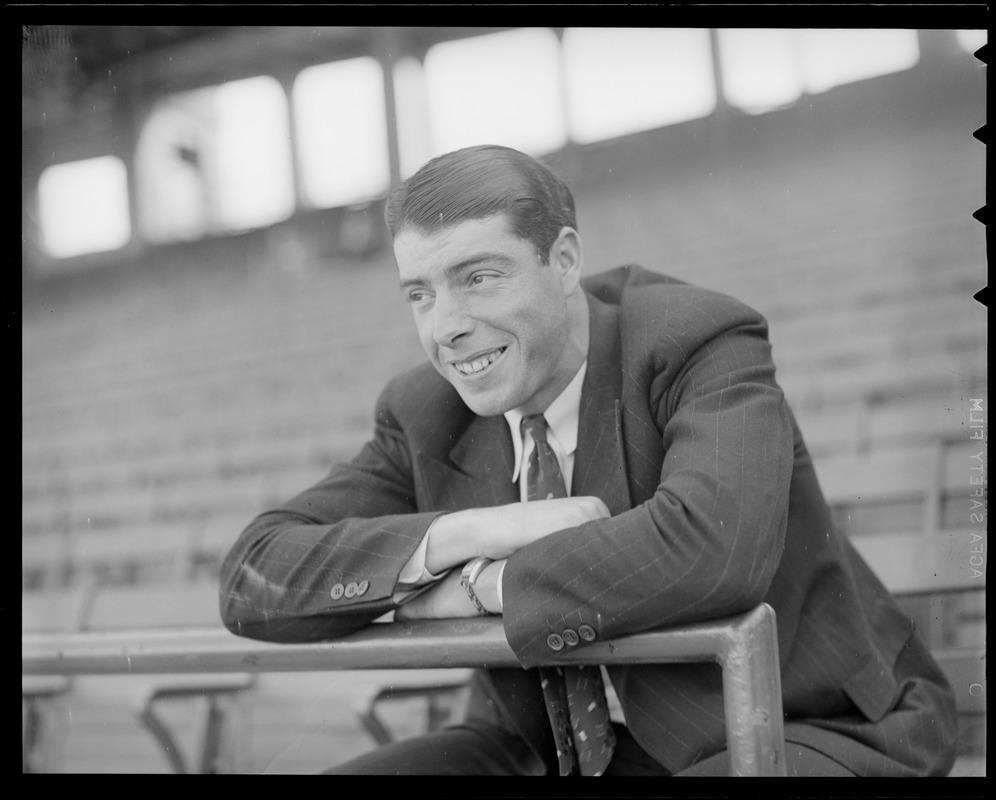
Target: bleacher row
{"points": [[203, 459]]}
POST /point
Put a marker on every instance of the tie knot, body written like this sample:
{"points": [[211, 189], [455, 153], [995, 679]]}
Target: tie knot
{"points": [[536, 425]]}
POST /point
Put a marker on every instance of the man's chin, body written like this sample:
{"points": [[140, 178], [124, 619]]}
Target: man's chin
{"points": [[484, 404]]}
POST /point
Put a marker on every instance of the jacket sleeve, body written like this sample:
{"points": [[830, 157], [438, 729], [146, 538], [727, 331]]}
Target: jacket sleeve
{"points": [[708, 541], [326, 563]]}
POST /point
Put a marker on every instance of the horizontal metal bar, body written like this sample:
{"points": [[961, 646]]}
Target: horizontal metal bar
{"points": [[475, 642], [744, 645]]}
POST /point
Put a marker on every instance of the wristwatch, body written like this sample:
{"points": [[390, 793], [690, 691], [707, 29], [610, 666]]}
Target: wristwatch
{"points": [[471, 572]]}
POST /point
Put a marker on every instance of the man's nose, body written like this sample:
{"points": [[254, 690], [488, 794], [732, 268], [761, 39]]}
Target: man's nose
{"points": [[450, 320]]}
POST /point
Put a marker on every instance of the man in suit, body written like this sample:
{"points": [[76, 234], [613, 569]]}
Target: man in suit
{"points": [[687, 495]]}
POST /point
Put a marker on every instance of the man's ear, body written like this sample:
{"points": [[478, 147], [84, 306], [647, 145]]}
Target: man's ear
{"points": [[566, 257]]}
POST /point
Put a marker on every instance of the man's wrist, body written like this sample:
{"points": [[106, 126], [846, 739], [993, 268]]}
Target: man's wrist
{"points": [[468, 580], [486, 587]]}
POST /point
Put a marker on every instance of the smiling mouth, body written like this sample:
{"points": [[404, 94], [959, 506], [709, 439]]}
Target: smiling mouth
{"points": [[479, 364]]}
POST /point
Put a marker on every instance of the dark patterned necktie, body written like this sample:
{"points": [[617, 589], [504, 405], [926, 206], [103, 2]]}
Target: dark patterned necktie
{"points": [[575, 696]]}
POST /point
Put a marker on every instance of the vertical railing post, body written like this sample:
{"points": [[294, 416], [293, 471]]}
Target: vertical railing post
{"points": [[752, 686]]}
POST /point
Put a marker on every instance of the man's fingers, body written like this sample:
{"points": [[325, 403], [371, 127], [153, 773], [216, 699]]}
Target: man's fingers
{"points": [[564, 512], [513, 526], [595, 506]]}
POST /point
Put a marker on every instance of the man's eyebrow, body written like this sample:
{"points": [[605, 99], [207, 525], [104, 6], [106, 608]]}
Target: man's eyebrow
{"points": [[461, 266]]}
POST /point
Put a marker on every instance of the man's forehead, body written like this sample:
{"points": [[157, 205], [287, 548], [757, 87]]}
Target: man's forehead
{"points": [[494, 225], [468, 239]]}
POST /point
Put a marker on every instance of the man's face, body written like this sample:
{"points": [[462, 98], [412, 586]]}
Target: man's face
{"points": [[492, 318]]}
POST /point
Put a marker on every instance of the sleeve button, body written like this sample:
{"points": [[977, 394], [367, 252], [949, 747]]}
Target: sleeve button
{"points": [[571, 637], [351, 588], [361, 588], [555, 641], [337, 591], [587, 633]]}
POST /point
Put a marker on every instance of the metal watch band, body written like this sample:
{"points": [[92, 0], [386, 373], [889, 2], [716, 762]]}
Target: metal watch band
{"points": [[471, 571]]}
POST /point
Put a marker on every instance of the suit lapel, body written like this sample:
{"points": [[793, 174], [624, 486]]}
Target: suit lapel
{"points": [[600, 464], [477, 472]]}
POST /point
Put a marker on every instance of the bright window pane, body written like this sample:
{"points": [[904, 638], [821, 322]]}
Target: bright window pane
{"points": [[215, 159], [83, 207], [255, 181], [971, 41], [172, 160], [411, 103], [501, 88], [761, 69], [342, 131], [621, 80], [834, 57]]}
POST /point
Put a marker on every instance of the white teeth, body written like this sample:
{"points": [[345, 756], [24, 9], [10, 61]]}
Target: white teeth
{"points": [[472, 367]]}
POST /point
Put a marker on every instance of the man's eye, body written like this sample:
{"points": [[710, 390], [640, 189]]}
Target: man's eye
{"points": [[478, 279]]}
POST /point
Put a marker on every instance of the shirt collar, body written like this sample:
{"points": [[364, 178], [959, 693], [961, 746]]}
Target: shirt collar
{"points": [[562, 417]]}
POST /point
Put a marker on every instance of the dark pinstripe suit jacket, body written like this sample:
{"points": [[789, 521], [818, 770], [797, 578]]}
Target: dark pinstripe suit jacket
{"points": [[687, 438]]}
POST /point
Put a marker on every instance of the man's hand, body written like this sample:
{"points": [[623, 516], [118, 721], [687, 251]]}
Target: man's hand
{"points": [[505, 529], [499, 531], [446, 599]]}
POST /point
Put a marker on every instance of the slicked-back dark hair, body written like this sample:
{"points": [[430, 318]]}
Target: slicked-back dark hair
{"points": [[480, 182]]}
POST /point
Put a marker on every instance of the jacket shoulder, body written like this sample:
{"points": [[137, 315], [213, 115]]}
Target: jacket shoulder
{"points": [[654, 305]]}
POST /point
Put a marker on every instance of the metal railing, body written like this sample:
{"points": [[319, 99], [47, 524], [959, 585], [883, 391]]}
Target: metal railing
{"points": [[745, 646]]}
